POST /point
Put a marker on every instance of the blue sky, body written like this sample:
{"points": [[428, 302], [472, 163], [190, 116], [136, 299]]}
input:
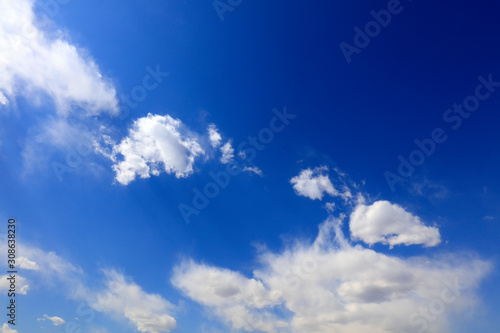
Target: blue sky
{"points": [[239, 166]]}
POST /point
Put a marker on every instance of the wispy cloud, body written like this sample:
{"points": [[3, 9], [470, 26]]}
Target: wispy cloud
{"points": [[55, 320], [119, 297], [255, 170], [148, 312]]}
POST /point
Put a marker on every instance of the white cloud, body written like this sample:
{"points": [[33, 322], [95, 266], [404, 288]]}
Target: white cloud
{"points": [[55, 320], [313, 183], [214, 136], [25, 263], [255, 170], [233, 297], [155, 144], [52, 270], [148, 312], [33, 61], [48, 262], [383, 222], [331, 286], [24, 289], [227, 151], [21, 285], [6, 329], [39, 63], [49, 269]]}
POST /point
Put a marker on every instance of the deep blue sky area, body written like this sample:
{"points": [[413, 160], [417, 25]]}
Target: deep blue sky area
{"points": [[354, 116]]}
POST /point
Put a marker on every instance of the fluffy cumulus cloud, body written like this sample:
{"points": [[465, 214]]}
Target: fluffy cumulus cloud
{"points": [[313, 183], [387, 223], [147, 312], [330, 285], [35, 63], [155, 144], [161, 143]]}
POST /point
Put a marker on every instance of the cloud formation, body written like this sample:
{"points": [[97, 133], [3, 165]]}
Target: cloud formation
{"points": [[313, 183], [230, 295], [387, 223], [25, 263], [55, 320], [22, 285], [255, 170], [34, 63], [214, 136], [155, 144], [227, 151], [330, 285], [147, 312], [119, 297]]}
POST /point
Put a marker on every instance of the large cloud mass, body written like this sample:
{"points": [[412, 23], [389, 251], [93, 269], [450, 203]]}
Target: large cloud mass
{"points": [[332, 286], [33, 61]]}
